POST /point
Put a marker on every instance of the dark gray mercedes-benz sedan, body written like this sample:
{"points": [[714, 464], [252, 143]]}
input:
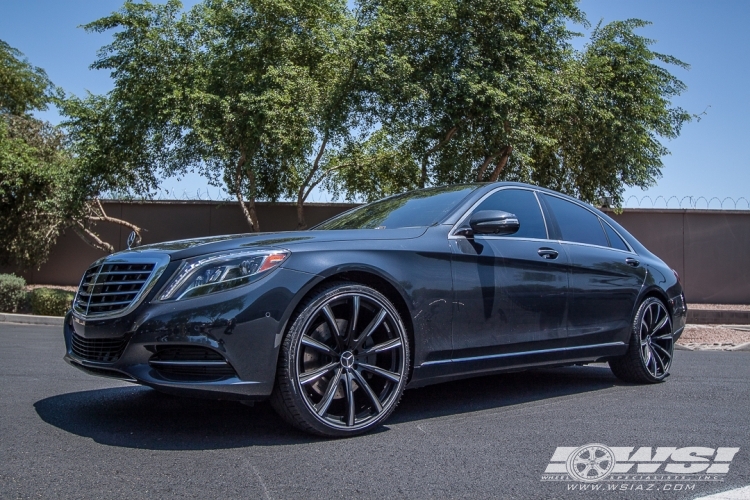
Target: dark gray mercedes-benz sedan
{"points": [[333, 323]]}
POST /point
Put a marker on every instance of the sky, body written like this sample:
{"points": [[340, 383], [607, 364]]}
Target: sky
{"points": [[709, 159]]}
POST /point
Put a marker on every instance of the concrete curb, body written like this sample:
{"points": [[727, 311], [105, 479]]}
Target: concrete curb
{"points": [[681, 347], [741, 347], [30, 319], [717, 317]]}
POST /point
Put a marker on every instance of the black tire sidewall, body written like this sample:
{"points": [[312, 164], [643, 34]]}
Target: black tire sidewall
{"points": [[286, 383]]}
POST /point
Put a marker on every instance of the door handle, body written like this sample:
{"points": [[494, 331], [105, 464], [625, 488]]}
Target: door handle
{"points": [[632, 262], [547, 253]]}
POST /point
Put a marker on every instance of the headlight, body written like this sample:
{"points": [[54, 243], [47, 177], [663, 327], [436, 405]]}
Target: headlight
{"points": [[212, 273]]}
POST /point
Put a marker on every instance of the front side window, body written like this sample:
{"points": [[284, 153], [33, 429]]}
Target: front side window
{"points": [[576, 223], [524, 205]]}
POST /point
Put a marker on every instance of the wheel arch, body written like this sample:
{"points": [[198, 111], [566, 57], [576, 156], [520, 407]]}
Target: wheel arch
{"points": [[655, 291], [376, 280]]}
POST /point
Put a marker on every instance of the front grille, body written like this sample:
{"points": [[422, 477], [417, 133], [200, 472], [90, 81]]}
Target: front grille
{"points": [[99, 350], [111, 287]]}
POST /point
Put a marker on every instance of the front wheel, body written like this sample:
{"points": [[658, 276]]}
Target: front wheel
{"points": [[651, 348], [344, 362]]}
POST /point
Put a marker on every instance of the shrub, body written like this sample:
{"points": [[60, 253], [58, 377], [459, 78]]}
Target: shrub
{"points": [[12, 292], [50, 302]]}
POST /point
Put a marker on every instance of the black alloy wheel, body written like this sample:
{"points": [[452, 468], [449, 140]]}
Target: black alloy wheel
{"points": [[344, 362], [651, 348]]}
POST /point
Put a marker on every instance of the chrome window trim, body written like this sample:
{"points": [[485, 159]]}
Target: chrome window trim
{"points": [[521, 353], [544, 217], [601, 221], [565, 242], [453, 236], [160, 261], [630, 248]]}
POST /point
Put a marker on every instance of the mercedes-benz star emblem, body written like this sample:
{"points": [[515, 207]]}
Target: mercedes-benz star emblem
{"points": [[131, 239], [347, 359]]}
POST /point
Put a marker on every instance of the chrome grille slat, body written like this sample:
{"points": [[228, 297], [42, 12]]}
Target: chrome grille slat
{"points": [[108, 287]]}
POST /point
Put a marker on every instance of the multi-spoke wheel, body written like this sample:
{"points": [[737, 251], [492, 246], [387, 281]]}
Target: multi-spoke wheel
{"points": [[344, 362], [649, 355]]}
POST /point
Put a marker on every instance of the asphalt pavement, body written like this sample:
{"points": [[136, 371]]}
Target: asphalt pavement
{"points": [[66, 434]]}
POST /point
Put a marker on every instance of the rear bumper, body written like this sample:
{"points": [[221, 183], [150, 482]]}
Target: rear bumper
{"points": [[679, 314]]}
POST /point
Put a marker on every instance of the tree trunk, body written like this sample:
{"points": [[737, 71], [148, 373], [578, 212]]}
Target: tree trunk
{"points": [[501, 164], [436, 147], [301, 224], [248, 211]]}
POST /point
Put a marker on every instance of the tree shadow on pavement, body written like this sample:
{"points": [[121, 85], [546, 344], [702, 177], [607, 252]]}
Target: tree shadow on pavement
{"points": [[139, 417]]}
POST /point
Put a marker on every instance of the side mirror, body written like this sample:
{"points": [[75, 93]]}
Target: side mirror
{"points": [[494, 222]]}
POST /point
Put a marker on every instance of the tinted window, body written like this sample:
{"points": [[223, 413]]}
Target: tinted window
{"points": [[614, 239], [523, 204], [576, 223], [417, 208]]}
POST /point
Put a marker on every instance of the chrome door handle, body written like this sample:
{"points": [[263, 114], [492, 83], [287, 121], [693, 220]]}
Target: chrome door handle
{"points": [[632, 262], [547, 253]]}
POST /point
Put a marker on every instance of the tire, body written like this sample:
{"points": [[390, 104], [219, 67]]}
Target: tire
{"points": [[344, 362], [651, 346]]}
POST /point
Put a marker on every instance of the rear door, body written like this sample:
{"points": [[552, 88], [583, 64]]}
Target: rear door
{"points": [[605, 275], [510, 292]]}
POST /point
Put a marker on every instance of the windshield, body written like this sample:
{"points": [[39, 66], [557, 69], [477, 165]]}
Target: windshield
{"points": [[415, 208]]}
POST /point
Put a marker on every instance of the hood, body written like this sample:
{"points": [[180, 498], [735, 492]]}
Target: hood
{"points": [[182, 249]]}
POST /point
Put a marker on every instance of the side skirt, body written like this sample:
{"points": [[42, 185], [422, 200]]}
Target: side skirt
{"points": [[433, 372]]}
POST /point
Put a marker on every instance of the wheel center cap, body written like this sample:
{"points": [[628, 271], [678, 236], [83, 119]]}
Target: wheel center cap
{"points": [[347, 359]]}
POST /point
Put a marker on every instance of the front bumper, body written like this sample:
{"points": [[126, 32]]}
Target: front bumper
{"points": [[243, 327]]}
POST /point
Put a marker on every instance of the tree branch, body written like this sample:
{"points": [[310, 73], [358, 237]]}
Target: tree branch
{"points": [[501, 164], [440, 144], [91, 238], [107, 218]]}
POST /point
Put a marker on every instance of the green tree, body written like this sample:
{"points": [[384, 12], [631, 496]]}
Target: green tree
{"points": [[614, 112], [257, 95], [33, 162], [44, 188], [486, 90]]}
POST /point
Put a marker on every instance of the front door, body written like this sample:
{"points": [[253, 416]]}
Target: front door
{"points": [[510, 292]]}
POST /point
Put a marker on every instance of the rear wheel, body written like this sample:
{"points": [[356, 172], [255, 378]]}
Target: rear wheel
{"points": [[651, 348], [344, 362]]}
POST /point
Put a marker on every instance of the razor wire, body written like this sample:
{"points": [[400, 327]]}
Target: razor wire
{"points": [[320, 196], [687, 202]]}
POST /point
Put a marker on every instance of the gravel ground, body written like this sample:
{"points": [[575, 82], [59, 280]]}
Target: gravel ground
{"points": [[715, 337], [720, 307]]}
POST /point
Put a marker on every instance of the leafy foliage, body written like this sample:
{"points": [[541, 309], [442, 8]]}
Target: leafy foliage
{"points": [[492, 90], [273, 98], [48, 183], [50, 301], [12, 292], [23, 87]]}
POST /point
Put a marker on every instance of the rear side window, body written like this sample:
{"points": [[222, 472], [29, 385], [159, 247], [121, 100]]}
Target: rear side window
{"points": [[614, 239], [576, 223], [524, 205]]}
